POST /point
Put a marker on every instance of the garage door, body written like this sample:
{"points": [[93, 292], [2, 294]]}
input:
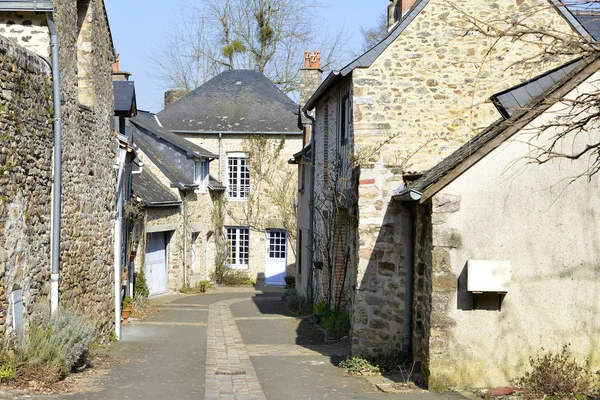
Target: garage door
{"points": [[157, 277]]}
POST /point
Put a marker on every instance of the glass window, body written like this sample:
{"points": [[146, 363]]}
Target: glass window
{"points": [[238, 177], [238, 246]]}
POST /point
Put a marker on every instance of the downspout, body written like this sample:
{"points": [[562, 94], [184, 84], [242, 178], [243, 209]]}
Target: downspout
{"points": [[56, 184], [408, 294], [185, 223], [311, 208], [119, 242], [220, 155]]}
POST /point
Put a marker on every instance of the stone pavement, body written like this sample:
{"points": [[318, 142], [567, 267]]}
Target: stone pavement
{"points": [[231, 345]]}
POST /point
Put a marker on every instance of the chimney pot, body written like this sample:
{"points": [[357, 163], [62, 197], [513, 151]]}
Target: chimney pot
{"points": [[116, 63]]}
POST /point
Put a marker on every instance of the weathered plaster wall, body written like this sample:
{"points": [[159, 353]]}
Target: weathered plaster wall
{"points": [[546, 225], [429, 92], [27, 29]]}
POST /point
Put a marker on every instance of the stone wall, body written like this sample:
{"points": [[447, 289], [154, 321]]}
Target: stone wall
{"points": [[89, 149], [428, 92], [89, 179], [25, 177]]}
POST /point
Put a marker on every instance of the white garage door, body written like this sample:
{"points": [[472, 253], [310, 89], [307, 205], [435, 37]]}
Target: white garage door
{"points": [[157, 277]]}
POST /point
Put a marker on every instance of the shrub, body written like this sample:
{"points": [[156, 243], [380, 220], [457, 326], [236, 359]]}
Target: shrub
{"points": [[558, 374], [197, 288], [140, 307], [336, 323], [224, 275], [320, 307], [294, 303], [140, 287], [359, 365], [126, 301], [58, 342]]}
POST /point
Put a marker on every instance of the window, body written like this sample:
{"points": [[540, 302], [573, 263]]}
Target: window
{"points": [[201, 175], [344, 120], [238, 244], [238, 176]]}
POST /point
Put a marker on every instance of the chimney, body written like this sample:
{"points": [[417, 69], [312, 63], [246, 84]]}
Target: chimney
{"points": [[118, 75], [311, 76], [171, 96], [397, 9]]}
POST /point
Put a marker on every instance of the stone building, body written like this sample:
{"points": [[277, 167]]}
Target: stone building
{"points": [[236, 129], [89, 149], [506, 251], [386, 117]]}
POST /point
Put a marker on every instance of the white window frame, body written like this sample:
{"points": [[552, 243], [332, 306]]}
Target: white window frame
{"points": [[237, 247], [201, 172], [240, 192]]}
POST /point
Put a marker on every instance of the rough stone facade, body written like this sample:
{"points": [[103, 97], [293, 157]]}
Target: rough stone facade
{"points": [[26, 177], [420, 99], [89, 150]]}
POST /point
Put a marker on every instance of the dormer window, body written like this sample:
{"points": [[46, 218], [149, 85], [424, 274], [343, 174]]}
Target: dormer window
{"points": [[201, 175]]}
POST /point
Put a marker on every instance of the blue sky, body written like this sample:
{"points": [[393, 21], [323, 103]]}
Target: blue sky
{"points": [[138, 26]]}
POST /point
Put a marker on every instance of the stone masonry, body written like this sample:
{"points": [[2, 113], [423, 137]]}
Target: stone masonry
{"points": [[89, 151], [423, 97], [25, 177]]}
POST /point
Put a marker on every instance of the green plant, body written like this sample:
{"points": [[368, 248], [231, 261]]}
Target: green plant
{"points": [[57, 343], [392, 361], [197, 288], [140, 287], [126, 301], [558, 374], [359, 365], [113, 336], [336, 323], [224, 275], [7, 371], [249, 282], [320, 307]]}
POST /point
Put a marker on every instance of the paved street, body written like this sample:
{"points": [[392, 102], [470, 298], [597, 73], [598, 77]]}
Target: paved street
{"points": [[230, 346]]}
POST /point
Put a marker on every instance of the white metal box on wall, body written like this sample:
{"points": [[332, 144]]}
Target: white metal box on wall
{"points": [[488, 276]]}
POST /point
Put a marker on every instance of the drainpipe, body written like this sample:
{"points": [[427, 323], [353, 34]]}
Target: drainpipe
{"points": [[118, 242], [408, 294], [220, 155], [185, 222], [56, 184], [309, 289]]}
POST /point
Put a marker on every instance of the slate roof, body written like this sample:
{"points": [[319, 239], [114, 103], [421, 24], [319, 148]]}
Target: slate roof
{"points": [[590, 22], [124, 92], [148, 187], [522, 117], [238, 101], [175, 175], [215, 185], [367, 58], [517, 98], [147, 121]]}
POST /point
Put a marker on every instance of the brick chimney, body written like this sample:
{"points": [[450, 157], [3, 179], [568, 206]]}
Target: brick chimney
{"points": [[397, 9], [311, 76], [171, 96], [117, 74]]}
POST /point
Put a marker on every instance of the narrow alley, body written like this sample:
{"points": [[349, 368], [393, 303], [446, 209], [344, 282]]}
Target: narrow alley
{"points": [[231, 345]]}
